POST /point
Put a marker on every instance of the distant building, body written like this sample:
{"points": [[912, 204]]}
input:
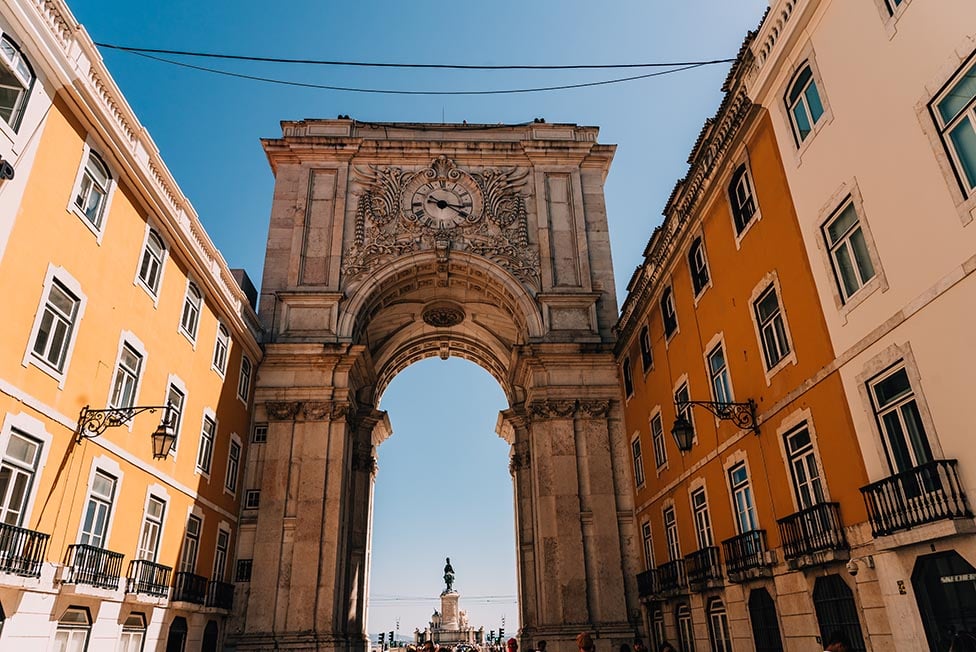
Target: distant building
{"points": [[114, 298], [450, 626]]}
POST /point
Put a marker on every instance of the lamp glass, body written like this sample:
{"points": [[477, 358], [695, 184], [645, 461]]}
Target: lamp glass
{"points": [[162, 440], [683, 433]]}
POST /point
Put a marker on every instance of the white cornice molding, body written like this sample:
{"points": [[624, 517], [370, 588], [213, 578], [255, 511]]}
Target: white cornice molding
{"points": [[70, 60]]}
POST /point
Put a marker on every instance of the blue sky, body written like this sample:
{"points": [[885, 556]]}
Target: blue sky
{"points": [[443, 486]]}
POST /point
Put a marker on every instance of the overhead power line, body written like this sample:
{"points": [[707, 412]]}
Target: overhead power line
{"points": [[436, 66], [389, 91]]}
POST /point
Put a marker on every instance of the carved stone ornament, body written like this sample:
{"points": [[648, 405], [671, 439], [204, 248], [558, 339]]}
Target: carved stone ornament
{"points": [[363, 460], [441, 208], [595, 408], [340, 410], [282, 410], [519, 461], [316, 410], [443, 314], [552, 409]]}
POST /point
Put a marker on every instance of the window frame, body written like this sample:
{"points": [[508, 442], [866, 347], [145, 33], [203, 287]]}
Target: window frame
{"points": [[682, 388], [151, 288], [768, 283], [805, 455], [133, 636], [207, 444], [68, 627], [244, 379], [647, 542], [701, 517], [19, 468], [944, 127], [221, 352], [895, 406], [791, 100], [128, 343], [91, 154], [101, 466], [232, 474], [221, 553], [718, 618], [194, 310], [148, 520], [844, 242], [701, 278], [727, 395], [61, 277], [19, 109], [741, 224], [176, 383], [647, 353], [658, 441], [638, 460], [671, 534], [191, 544], [252, 498], [666, 303], [628, 373], [259, 433], [745, 487], [685, 626]]}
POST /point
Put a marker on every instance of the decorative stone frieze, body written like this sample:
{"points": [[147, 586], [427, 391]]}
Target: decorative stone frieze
{"points": [[595, 408], [282, 410], [552, 409], [316, 410]]}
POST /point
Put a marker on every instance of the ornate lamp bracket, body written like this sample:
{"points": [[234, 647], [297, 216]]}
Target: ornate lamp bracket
{"points": [[741, 414], [94, 423]]}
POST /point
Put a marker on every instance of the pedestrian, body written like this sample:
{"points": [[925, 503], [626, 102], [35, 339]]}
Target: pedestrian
{"points": [[512, 645], [585, 642], [837, 642], [624, 647], [541, 646], [639, 645], [666, 647], [428, 646]]}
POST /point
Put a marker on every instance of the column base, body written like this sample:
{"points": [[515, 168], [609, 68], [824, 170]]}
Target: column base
{"points": [[562, 638], [311, 641]]}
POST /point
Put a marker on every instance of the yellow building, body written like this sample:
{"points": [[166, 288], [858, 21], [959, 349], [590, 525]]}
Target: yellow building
{"points": [[746, 463], [114, 299]]}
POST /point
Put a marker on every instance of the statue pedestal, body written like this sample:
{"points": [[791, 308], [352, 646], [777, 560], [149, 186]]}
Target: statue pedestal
{"points": [[449, 611]]}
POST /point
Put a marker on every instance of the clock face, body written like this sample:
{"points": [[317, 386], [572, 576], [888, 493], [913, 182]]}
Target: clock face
{"points": [[442, 203]]}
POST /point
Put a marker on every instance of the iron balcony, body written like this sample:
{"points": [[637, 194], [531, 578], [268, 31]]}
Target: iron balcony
{"points": [[925, 494], [22, 550]]}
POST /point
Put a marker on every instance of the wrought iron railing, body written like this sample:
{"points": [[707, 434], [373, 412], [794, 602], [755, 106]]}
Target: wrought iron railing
{"points": [[647, 584], [814, 529], [745, 552], [147, 577], [703, 566], [928, 493], [22, 550], [220, 595], [671, 576], [188, 587], [94, 566]]}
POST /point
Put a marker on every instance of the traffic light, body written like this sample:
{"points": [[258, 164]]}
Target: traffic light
{"points": [[382, 637], [491, 636], [501, 635], [391, 638]]}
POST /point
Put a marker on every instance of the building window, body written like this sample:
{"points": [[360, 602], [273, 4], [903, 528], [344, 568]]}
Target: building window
{"points": [[127, 373], [837, 611], [191, 311], [244, 567], [742, 197], [152, 525], [635, 447], [658, 635], [56, 328], [175, 397], [92, 195], [804, 104], [698, 265], [220, 555], [260, 433], [647, 360], [803, 467], [892, 5], [657, 439], [955, 114], [772, 327], [151, 266], [252, 499], [233, 464], [718, 626], [671, 534], [205, 454], [73, 629], [849, 253], [221, 347], [94, 528], [244, 381], [191, 545], [668, 313], [648, 544], [703, 524], [745, 508], [719, 374], [133, 633], [896, 409], [686, 629], [16, 81], [765, 627], [682, 396], [17, 471], [628, 378]]}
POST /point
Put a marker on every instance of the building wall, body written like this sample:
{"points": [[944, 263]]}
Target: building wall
{"points": [[44, 236]]}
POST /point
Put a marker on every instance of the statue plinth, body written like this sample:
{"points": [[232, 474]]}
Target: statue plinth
{"points": [[449, 610]]}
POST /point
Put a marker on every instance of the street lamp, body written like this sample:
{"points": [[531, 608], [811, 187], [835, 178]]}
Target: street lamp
{"points": [[93, 423], [742, 414]]}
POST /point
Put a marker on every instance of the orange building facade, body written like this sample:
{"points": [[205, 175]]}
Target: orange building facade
{"points": [[115, 299], [748, 535]]}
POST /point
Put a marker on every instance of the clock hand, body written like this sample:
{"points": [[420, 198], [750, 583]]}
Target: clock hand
{"points": [[457, 208]]}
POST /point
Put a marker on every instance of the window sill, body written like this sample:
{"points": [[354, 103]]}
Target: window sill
{"points": [[189, 338], [98, 232], [785, 361], [60, 376]]}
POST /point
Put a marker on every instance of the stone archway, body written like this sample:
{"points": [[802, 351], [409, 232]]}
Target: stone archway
{"points": [[395, 242]]}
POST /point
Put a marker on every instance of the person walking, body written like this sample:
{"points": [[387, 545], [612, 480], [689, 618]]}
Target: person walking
{"points": [[837, 642], [585, 642]]}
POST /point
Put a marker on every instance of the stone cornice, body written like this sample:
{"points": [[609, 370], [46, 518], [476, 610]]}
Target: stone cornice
{"points": [[75, 69]]}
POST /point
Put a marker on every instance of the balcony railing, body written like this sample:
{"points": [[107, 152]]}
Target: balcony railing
{"points": [[22, 550], [220, 595], [94, 566], [647, 584], [703, 566], [928, 493], [671, 576], [745, 552], [147, 577], [814, 529], [188, 587]]}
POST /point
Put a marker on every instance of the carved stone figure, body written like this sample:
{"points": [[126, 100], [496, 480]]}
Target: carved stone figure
{"points": [[449, 576]]}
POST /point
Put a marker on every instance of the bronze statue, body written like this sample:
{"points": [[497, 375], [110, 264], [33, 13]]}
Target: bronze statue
{"points": [[449, 576]]}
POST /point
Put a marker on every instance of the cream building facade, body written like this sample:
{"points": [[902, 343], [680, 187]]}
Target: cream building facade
{"points": [[114, 299], [390, 243], [874, 108]]}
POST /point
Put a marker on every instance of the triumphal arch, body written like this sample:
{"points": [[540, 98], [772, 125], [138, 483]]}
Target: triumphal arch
{"points": [[390, 243]]}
